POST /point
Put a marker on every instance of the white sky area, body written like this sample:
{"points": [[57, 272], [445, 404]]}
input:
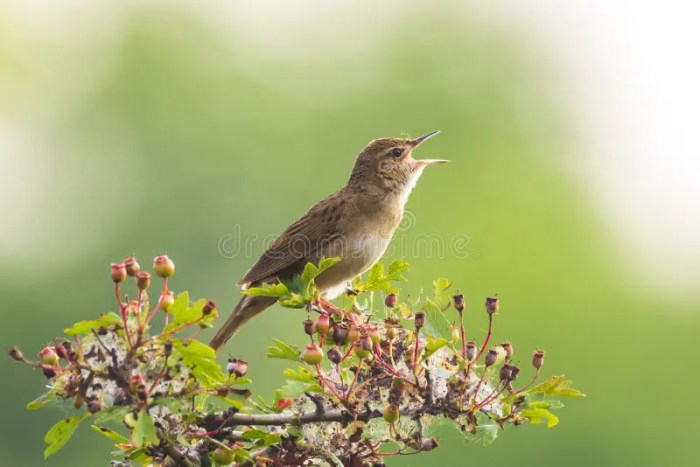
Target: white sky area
{"points": [[633, 78]]}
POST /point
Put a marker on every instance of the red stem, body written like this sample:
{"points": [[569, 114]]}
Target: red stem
{"points": [[464, 341], [488, 337], [319, 373], [122, 308]]}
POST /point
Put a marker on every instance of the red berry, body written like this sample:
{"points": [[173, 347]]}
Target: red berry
{"points": [[118, 272], [48, 356], [131, 266]]}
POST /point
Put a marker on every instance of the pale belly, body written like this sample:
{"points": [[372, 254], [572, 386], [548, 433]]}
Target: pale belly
{"points": [[358, 253]]}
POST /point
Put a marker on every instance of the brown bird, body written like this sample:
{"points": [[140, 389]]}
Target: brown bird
{"points": [[355, 224]]}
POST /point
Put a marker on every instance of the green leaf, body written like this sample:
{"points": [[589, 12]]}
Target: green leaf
{"points": [[278, 290], [557, 386], [114, 413], [433, 345], [283, 351], [262, 438], [436, 324], [61, 433], [441, 296], [182, 312], [537, 415], [302, 375], [292, 389], [144, 431], [201, 360], [113, 435], [41, 401], [86, 327], [396, 270], [377, 280]]}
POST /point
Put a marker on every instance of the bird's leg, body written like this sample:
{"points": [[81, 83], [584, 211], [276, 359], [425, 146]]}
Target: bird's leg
{"points": [[328, 306]]}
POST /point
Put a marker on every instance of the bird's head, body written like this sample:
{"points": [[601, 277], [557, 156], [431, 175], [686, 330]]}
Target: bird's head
{"points": [[387, 164]]}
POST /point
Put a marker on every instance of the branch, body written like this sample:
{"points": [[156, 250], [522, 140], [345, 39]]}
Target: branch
{"points": [[339, 416]]}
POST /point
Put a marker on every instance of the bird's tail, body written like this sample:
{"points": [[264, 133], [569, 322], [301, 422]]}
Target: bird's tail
{"points": [[248, 307]]}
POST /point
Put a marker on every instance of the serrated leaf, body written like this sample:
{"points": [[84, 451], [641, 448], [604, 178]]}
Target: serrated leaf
{"points": [[278, 290], [302, 375], [114, 413], [440, 295], [144, 432], [436, 324], [61, 433], [433, 345], [184, 313], [86, 327], [292, 389], [283, 351], [557, 386], [537, 415], [113, 435], [201, 360]]}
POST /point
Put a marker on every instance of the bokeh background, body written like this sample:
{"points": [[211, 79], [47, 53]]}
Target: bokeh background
{"points": [[172, 127]]}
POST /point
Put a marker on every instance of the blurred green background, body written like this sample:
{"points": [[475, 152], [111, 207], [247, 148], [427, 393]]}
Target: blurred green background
{"points": [[160, 129]]}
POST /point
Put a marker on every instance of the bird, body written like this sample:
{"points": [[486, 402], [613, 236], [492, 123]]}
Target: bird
{"points": [[355, 224]]}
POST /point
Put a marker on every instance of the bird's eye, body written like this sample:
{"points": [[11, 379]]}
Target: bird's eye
{"points": [[396, 152]]}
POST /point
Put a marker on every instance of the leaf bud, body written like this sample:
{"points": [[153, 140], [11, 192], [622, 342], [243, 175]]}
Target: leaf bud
{"points": [[208, 307], [118, 272], [163, 266], [322, 324], [313, 354], [334, 355], [340, 333], [143, 280], [391, 300], [132, 267], [508, 347], [391, 413], [538, 359], [16, 354], [471, 351], [48, 356], [419, 320], [237, 366]]}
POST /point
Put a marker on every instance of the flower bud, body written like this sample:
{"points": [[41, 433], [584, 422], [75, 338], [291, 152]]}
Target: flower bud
{"points": [[143, 280], [118, 272], [237, 366], [471, 351], [163, 266], [353, 334], [538, 359], [167, 300], [334, 355], [458, 301], [308, 326], [508, 347], [363, 348], [419, 320], [167, 348], [48, 356], [390, 300], [322, 324], [131, 266], [490, 358], [340, 334], [391, 413], [491, 305], [208, 307], [313, 354], [16, 354]]}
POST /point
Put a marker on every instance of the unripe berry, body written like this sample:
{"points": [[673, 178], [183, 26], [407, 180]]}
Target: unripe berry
{"points": [[391, 331], [471, 351], [163, 266], [363, 348], [237, 366], [390, 300], [143, 280], [313, 354], [491, 305], [353, 334], [322, 324], [398, 386], [131, 266], [118, 272], [167, 300], [48, 356], [538, 359], [458, 301], [391, 413], [334, 355], [208, 307], [490, 358], [223, 456], [373, 332]]}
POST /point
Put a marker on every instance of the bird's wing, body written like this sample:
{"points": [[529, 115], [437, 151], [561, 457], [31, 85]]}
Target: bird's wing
{"points": [[301, 239]]}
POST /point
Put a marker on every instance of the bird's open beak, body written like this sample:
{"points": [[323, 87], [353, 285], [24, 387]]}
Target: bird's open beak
{"points": [[416, 142]]}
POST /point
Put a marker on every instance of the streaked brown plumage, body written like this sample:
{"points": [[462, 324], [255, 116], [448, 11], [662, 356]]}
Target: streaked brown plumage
{"points": [[355, 223]]}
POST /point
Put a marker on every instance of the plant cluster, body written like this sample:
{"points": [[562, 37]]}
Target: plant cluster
{"points": [[373, 381]]}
